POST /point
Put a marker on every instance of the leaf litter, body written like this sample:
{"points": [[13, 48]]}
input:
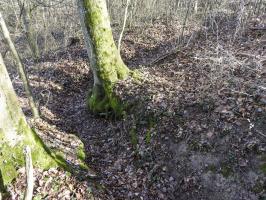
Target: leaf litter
{"points": [[195, 128]]}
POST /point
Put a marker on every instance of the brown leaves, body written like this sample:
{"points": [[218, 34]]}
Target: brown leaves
{"points": [[52, 184]]}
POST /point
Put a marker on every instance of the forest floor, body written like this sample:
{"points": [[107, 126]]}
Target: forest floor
{"points": [[196, 128]]}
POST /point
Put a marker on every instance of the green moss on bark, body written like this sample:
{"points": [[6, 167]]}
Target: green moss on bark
{"points": [[106, 104], [15, 135], [110, 67], [12, 157], [109, 63]]}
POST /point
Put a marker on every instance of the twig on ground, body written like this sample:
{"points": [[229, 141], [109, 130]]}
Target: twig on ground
{"points": [[259, 132], [162, 57], [258, 28], [262, 87], [29, 174]]}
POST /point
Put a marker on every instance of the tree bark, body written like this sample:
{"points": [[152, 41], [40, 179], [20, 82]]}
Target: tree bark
{"points": [[30, 33], [105, 59], [123, 27], [196, 6], [15, 134], [29, 174], [20, 68]]}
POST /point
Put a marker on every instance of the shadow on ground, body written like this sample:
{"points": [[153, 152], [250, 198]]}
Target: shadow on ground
{"points": [[188, 138]]}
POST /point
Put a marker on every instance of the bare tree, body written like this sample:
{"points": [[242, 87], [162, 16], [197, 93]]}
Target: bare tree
{"points": [[20, 68], [124, 25], [25, 11]]}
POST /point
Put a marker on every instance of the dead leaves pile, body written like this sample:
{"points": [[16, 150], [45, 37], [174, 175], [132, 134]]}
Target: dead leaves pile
{"points": [[52, 184]]}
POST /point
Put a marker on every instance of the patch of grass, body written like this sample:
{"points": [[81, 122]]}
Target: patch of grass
{"points": [[201, 146], [207, 105], [180, 120], [81, 152], [226, 170], [151, 125], [148, 137], [68, 174], [224, 133], [205, 147], [134, 137], [212, 168], [83, 166], [263, 168], [258, 187], [38, 197], [136, 75], [55, 187], [194, 145]]}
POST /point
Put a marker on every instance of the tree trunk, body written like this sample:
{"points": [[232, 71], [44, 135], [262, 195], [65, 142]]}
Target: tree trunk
{"points": [[30, 33], [123, 27], [15, 134], [20, 68], [196, 6], [105, 59], [29, 174]]}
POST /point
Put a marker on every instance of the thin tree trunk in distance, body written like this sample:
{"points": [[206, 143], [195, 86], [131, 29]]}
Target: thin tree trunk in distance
{"points": [[20, 68], [181, 38], [196, 6], [123, 27], [30, 33]]}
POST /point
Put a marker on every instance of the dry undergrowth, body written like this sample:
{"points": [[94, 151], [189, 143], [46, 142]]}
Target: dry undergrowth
{"points": [[196, 128]]}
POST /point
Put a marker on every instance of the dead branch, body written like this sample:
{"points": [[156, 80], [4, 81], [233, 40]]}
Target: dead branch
{"points": [[162, 57], [258, 28], [248, 55], [29, 174]]}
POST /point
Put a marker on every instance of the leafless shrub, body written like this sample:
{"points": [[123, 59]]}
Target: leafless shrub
{"points": [[49, 17], [227, 70]]}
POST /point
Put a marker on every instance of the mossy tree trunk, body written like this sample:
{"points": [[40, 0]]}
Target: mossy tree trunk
{"points": [[105, 60], [15, 134]]}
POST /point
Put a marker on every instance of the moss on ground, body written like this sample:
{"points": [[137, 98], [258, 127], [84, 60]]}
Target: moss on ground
{"points": [[81, 152], [136, 75], [212, 168], [226, 170], [148, 137], [263, 165], [134, 137]]}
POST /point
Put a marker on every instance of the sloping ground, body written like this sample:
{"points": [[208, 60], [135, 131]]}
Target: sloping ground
{"points": [[196, 128], [202, 120]]}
